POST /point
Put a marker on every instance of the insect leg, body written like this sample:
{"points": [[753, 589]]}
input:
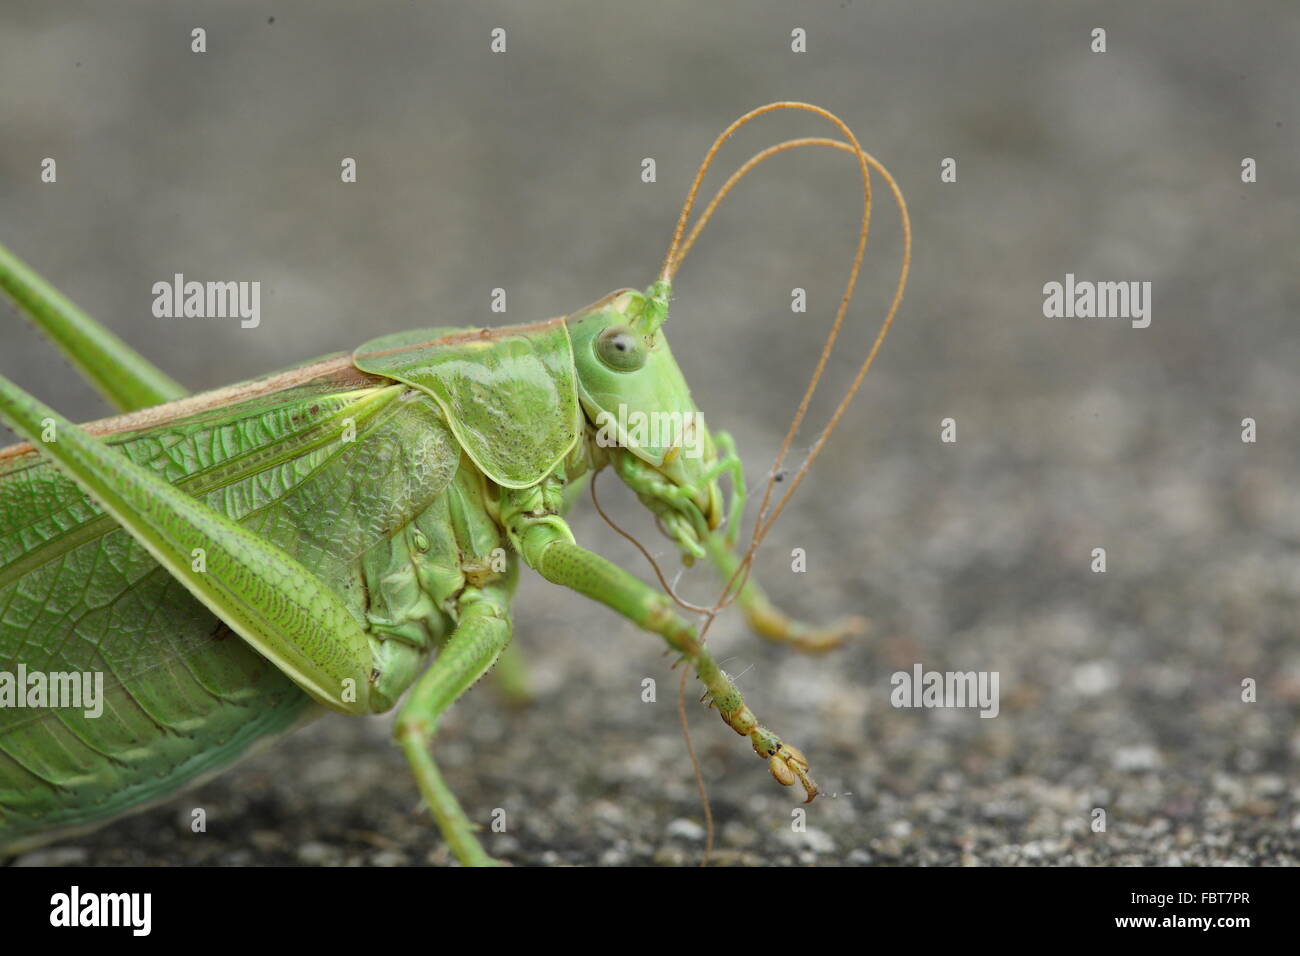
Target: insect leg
{"points": [[511, 671], [120, 373], [767, 620], [547, 546], [264, 595], [480, 636]]}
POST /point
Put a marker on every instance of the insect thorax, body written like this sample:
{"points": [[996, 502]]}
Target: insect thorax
{"points": [[414, 578]]}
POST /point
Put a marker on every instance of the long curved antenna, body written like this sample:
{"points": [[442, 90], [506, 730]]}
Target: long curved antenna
{"points": [[679, 247], [673, 257], [763, 524]]}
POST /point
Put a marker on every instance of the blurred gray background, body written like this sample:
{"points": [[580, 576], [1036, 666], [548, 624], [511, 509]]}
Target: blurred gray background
{"points": [[522, 170]]}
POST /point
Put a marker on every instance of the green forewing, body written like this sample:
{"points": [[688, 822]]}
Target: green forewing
{"points": [[183, 694], [509, 394]]}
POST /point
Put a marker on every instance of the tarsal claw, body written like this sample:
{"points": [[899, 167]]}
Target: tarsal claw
{"points": [[788, 764]]}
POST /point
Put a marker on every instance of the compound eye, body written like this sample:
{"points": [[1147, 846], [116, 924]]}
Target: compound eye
{"points": [[621, 349]]}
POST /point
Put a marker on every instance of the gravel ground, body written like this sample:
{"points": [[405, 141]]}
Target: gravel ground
{"points": [[1120, 691]]}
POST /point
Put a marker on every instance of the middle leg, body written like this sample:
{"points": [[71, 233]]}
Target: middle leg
{"points": [[480, 636]]}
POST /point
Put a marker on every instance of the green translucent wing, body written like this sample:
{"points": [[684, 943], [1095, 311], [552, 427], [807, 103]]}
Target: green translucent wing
{"points": [[510, 395]]}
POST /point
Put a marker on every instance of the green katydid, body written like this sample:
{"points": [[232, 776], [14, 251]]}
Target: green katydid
{"points": [[236, 562]]}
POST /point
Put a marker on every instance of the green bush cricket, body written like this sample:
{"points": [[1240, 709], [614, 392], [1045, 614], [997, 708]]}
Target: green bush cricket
{"points": [[232, 563]]}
